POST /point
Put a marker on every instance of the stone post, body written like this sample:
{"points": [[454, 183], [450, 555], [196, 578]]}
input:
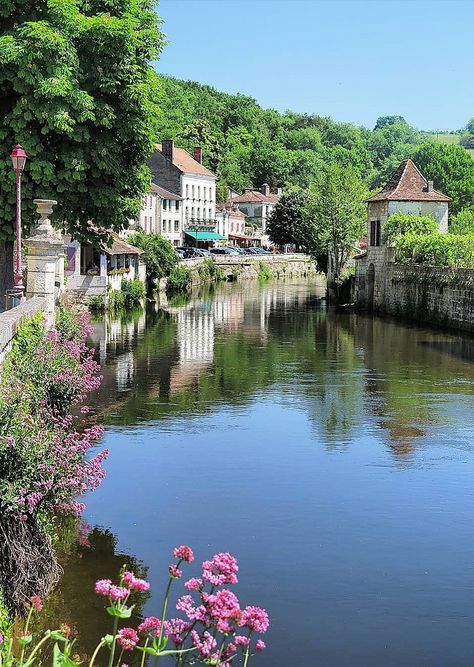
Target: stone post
{"points": [[45, 249]]}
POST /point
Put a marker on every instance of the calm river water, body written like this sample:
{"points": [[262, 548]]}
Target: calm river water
{"points": [[332, 454]]}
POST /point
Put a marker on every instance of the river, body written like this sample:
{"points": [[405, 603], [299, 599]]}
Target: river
{"points": [[331, 453]]}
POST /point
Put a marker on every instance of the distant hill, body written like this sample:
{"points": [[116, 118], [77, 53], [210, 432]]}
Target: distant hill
{"points": [[247, 145], [448, 138]]}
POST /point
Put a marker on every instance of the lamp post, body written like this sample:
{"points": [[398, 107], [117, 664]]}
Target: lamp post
{"points": [[18, 157]]}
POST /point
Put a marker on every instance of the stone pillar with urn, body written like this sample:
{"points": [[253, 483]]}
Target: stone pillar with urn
{"points": [[45, 250]]}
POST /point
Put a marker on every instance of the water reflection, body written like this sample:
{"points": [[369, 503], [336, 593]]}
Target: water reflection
{"points": [[331, 452]]}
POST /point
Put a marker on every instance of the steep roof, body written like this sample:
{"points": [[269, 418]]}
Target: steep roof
{"points": [[164, 194], [186, 163], [254, 196], [407, 183]]}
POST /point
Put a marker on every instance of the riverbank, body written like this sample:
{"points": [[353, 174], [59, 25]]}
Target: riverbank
{"points": [[248, 267]]}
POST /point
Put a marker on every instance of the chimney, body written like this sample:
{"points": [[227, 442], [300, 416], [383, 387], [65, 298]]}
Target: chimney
{"points": [[279, 191], [167, 148], [265, 189], [197, 154], [430, 186]]}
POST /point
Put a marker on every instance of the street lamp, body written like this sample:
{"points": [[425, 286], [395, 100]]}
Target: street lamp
{"points": [[18, 157]]}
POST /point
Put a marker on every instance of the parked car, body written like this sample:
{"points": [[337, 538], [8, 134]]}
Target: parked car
{"points": [[223, 250], [180, 253]]}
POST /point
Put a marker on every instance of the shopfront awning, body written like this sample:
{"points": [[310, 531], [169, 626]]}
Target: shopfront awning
{"points": [[205, 236]]}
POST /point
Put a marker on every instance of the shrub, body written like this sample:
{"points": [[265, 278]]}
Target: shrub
{"points": [[115, 300], [180, 279], [438, 249], [97, 304], [209, 270], [133, 291], [463, 222], [264, 272], [159, 254], [400, 223]]}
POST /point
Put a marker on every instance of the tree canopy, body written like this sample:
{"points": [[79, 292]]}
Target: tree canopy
{"points": [[77, 91], [286, 218], [451, 168]]}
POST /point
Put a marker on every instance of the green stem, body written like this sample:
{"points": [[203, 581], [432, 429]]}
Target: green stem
{"points": [[114, 642], [38, 646], [25, 633], [94, 655], [144, 654]]}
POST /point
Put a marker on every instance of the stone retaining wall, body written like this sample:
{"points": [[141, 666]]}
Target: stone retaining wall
{"points": [[427, 294], [247, 267], [10, 320]]}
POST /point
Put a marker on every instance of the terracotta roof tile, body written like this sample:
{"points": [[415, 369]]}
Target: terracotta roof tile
{"points": [[254, 196], [120, 247], [186, 163], [407, 183]]}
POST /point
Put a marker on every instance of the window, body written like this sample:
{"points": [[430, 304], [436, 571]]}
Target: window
{"points": [[205, 192], [210, 214], [176, 225], [199, 213], [187, 212], [210, 193], [192, 190], [199, 192], [176, 205], [169, 226], [192, 212], [165, 204], [374, 239], [187, 190], [164, 225]]}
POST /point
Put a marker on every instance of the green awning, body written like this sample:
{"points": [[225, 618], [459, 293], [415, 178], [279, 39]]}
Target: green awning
{"points": [[205, 236]]}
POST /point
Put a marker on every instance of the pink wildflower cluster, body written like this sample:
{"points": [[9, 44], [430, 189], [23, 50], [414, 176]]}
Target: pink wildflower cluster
{"points": [[216, 629], [51, 372]]}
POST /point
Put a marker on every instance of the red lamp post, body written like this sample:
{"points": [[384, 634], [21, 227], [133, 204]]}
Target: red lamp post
{"points": [[18, 157]]}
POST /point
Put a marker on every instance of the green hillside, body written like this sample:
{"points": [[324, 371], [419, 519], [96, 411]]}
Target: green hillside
{"points": [[448, 138]]}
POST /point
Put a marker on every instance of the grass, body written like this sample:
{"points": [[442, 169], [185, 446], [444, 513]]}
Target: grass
{"points": [[446, 138]]}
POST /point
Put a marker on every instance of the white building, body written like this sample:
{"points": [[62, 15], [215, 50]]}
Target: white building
{"points": [[176, 171], [170, 212]]}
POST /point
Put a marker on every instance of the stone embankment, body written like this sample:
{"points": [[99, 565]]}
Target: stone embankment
{"points": [[248, 267], [424, 294]]}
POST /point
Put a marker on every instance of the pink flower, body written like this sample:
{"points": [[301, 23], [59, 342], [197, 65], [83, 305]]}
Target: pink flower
{"points": [[118, 593], [127, 639], [175, 572], [37, 602], [255, 618], [221, 569], [193, 584], [65, 629], [187, 606], [174, 629], [240, 640], [222, 606], [184, 553], [204, 644], [134, 583], [150, 626], [260, 645], [2, 638]]}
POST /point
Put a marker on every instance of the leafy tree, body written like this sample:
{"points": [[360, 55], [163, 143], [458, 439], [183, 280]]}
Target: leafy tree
{"points": [[383, 121], [463, 222], [451, 168], [400, 223], [470, 126], [159, 254], [76, 91], [335, 217], [286, 219]]}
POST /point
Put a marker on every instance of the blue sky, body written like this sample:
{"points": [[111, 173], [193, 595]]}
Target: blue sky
{"points": [[352, 60]]}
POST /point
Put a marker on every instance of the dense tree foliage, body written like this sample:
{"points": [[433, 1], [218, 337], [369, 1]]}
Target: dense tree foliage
{"points": [[159, 255], [463, 222], [247, 145], [451, 168], [335, 217], [287, 217], [77, 91]]}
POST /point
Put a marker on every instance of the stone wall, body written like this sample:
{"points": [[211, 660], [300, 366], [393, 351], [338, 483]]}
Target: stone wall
{"points": [[247, 267], [426, 294], [10, 320]]}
